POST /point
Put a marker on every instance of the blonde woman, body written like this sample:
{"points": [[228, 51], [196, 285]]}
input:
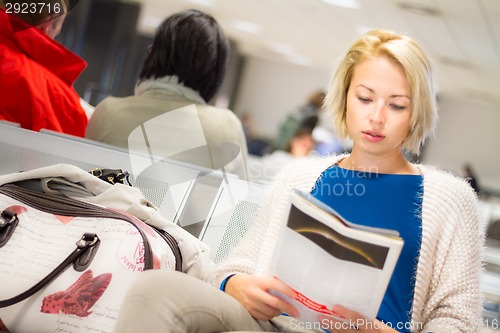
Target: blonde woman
{"points": [[383, 98]]}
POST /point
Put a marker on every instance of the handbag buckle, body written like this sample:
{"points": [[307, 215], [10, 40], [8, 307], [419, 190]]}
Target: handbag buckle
{"points": [[8, 224], [89, 243]]}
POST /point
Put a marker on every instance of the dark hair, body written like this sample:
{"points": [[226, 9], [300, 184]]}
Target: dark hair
{"points": [[192, 46], [304, 129]]}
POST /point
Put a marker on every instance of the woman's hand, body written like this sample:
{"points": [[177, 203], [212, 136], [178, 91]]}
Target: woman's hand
{"points": [[253, 293], [353, 323]]}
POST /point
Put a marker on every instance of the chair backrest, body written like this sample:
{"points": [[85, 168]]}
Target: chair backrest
{"points": [[214, 206], [233, 213], [165, 183]]}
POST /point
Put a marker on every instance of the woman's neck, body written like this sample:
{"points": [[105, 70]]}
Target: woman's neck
{"points": [[396, 164]]}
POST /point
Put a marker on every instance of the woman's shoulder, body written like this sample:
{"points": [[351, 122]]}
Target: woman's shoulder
{"points": [[437, 174], [322, 162], [445, 184], [307, 169], [106, 110], [136, 108], [301, 174], [111, 103], [211, 111]]}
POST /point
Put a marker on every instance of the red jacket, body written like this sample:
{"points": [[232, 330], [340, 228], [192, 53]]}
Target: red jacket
{"points": [[36, 81]]}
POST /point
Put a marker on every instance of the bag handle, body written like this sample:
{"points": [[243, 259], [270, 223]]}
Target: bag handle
{"points": [[84, 244]]}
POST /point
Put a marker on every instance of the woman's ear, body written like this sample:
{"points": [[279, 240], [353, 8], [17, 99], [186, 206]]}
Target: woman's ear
{"points": [[52, 27], [44, 27]]}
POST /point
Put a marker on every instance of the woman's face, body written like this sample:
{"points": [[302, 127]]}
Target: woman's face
{"points": [[378, 107]]}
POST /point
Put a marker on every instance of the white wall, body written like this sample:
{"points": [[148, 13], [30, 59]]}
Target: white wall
{"points": [[468, 131], [268, 91]]}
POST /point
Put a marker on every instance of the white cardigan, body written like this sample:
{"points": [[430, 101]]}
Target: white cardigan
{"points": [[447, 297]]}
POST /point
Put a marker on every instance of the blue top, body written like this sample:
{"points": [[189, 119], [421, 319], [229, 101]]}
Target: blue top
{"points": [[387, 201]]}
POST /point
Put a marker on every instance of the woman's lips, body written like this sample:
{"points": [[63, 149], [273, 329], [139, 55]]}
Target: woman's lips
{"points": [[373, 136]]}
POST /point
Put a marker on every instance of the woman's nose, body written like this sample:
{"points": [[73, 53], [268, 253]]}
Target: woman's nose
{"points": [[378, 114]]}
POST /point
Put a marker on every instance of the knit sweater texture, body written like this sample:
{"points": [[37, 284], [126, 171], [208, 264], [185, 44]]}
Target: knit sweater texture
{"points": [[447, 295]]}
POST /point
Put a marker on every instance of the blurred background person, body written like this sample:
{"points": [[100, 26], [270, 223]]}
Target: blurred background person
{"points": [[470, 177], [37, 73], [305, 116], [185, 65], [300, 145], [257, 145]]}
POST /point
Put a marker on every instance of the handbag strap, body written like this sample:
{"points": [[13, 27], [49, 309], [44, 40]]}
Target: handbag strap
{"points": [[60, 205], [174, 246], [66, 206], [87, 242]]}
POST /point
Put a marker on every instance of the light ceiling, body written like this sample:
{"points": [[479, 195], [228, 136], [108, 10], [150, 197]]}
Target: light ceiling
{"points": [[462, 37]]}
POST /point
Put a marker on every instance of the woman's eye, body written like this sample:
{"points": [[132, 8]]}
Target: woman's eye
{"points": [[364, 100], [398, 107]]}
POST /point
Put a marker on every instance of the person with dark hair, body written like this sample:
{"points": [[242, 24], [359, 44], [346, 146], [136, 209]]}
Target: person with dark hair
{"points": [[470, 177], [301, 145], [36, 72], [305, 116], [185, 65], [192, 46]]}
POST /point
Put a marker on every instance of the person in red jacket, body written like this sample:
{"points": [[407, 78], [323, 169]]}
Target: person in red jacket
{"points": [[37, 73]]}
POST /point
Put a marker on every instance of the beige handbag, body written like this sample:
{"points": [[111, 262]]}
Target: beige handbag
{"points": [[71, 244]]}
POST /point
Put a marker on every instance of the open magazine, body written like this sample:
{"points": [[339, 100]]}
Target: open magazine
{"points": [[328, 260]]}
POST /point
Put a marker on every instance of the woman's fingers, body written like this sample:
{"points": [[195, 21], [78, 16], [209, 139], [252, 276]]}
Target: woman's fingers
{"points": [[264, 312], [253, 293], [349, 321], [338, 325], [277, 303], [278, 285]]}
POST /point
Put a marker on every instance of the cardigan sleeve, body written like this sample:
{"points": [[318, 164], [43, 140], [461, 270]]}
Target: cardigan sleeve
{"points": [[254, 252], [246, 255], [450, 262]]}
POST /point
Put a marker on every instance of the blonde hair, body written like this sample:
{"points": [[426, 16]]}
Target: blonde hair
{"points": [[405, 52]]}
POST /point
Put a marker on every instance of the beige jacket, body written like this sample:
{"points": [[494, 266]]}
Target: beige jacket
{"points": [[164, 119]]}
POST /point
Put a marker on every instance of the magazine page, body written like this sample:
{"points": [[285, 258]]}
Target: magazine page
{"points": [[329, 263], [313, 201]]}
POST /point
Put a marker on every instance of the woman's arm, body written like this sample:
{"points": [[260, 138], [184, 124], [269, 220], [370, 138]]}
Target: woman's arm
{"points": [[255, 250], [452, 264]]}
